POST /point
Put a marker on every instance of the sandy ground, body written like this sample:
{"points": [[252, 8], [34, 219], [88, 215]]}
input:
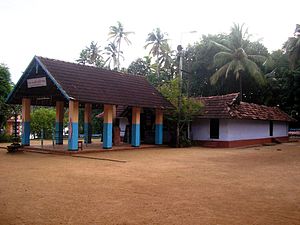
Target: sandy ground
{"points": [[258, 185]]}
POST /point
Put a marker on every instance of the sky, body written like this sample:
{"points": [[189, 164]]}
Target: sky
{"points": [[60, 29]]}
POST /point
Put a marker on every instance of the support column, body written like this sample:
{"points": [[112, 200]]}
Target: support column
{"points": [[88, 123], [59, 122], [107, 126], [135, 134], [158, 127], [73, 126], [26, 121]]}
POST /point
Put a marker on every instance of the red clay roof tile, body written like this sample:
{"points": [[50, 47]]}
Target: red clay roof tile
{"points": [[96, 85], [229, 107]]}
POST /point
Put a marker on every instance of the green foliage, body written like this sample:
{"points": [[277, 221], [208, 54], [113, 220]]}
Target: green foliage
{"points": [[5, 138], [292, 48], [190, 107], [233, 59], [5, 88], [91, 56], [43, 118], [141, 66], [283, 83], [97, 123]]}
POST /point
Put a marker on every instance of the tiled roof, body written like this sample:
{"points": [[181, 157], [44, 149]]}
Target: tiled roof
{"points": [[229, 107], [96, 85]]}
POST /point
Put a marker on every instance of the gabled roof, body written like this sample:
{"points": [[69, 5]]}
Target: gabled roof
{"points": [[89, 84], [229, 107]]}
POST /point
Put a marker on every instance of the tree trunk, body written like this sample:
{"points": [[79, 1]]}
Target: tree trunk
{"points": [[157, 65], [241, 90], [119, 47]]}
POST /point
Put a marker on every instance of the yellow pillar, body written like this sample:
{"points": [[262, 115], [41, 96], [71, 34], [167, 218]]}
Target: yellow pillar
{"points": [[135, 134], [158, 127], [107, 126]]}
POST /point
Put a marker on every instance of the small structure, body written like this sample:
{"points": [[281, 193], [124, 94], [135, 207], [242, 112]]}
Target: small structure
{"points": [[227, 122], [50, 82], [11, 123]]}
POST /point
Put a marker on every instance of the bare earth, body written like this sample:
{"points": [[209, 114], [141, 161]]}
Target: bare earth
{"points": [[258, 185]]}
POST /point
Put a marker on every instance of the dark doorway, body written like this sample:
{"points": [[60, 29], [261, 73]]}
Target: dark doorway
{"points": [[271, 128], [214, 128]]}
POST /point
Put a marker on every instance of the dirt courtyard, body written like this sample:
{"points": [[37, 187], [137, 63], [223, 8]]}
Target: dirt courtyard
{"points": [[257, 185]]}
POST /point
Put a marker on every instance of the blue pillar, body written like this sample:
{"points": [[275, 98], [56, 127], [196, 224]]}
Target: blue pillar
{"points": [[73, 136], [87, 123], [87, 133], [59, 133], [158, 134], [59, 123], [26, 121], [73, 126], [107, 135], [26, 133], [135, 134], [158, 127], [107, 126]]}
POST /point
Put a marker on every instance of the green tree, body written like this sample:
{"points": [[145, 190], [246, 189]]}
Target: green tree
{"points": [[189, 109], [42, 118], [117, 33], [141, 66], [233, 59], [292, 48], [156, 39], [91, 56], [5, 88]]}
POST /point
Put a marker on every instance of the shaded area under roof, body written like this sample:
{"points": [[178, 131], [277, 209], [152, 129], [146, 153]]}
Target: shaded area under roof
{"points": [[86, 84], [229, 107]]}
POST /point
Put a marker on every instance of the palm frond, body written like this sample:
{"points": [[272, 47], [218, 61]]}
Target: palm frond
{"points": [[258, 58], [238, 67], [222, 58], [230, 67], [254, 71], [222, 47], [220, 72]]}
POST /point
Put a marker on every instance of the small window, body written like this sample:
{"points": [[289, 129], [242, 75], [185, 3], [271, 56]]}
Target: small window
{"points": [[214, 128], [271, 128]]}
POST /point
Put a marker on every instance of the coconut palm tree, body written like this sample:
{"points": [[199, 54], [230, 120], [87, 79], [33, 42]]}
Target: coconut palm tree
{"points": [[156, 39], [112, 53], [91, 55], [118, 34], [292, 48], [233, 59]]}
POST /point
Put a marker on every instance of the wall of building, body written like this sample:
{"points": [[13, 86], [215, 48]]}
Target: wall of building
{"points": [[230, 130]]}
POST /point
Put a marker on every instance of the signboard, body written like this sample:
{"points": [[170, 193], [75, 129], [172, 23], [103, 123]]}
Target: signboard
{"points": [[36, 82]]}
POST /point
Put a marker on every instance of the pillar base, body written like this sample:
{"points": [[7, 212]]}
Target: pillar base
{"points": [[73, 137], [26, 133], [58, 133], [87, 133], [158, 134], [135, 135], [107, 135]]}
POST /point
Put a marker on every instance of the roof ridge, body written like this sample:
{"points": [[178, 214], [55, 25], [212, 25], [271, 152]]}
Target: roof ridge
{"points": [[90, 66]]}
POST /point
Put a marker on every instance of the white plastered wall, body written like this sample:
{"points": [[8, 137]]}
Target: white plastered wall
{"points": [[230, 130]]}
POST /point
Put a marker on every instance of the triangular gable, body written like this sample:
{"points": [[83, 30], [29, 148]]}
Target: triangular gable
{"points": [[38, 84]]}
